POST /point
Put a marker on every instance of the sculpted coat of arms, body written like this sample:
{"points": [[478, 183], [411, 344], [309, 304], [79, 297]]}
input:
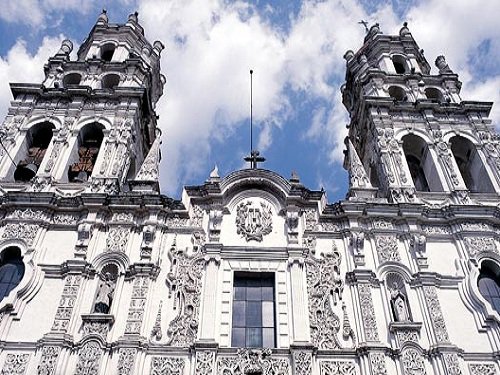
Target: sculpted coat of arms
{"points": [[253, 221]]}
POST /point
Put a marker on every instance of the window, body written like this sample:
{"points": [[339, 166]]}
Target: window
{"points": [[400, 65], [110, 81], [89, 143], [433, 94], [397, 93], [489, 284], [107, 51], [11, 270], [253, 310], [71, 79]]}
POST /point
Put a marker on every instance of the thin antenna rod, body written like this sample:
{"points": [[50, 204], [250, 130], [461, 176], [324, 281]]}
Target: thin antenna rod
{"points": [[251, 111]]}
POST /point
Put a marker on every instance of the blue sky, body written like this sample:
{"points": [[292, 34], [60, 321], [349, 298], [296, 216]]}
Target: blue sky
{"points": [[295, 49]]}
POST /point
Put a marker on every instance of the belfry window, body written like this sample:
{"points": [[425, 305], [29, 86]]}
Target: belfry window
{"points": [[470, 165], [107, 52], [400, 64], [398, 93], [11, 270], [253, 310], [89, 143], [110, 81], [71, 79], [38, 140], [489, 284], [434, 94]]}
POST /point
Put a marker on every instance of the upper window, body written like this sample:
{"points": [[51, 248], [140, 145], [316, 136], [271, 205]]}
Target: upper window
{"points": [[71, 79], [400, 64], [11, 270], [110, 81], [398, 93], [89, 143], [107, 51], [489, 284], [433, 93], [253, 310]]}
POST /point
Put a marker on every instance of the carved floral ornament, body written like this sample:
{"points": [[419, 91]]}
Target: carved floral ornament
{"points": [[253, 221], [253, 361]]}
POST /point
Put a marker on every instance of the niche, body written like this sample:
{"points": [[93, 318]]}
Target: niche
{"points": [[89, 143]]}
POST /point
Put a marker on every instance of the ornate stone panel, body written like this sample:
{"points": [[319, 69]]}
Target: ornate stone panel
{"points": [[311, 221], [15, 364], [252, 361], [66, 303], [406, 336], [20, 231], [302, 363], [436, 315], [368, 312], [377, 364], [482, 369], [137, 305], [337, 368], [452, 364], [205, 363], [476, 245], [197, 216], [89, 359], [413, 363], [117, 239], [253, 221], [185, 279], [48, 362], [167, 366], [126, 360], [387, 248], [324, 288]]}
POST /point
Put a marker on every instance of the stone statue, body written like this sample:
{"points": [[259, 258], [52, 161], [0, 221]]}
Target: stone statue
{"points": [[104, 295], [399, 305]]}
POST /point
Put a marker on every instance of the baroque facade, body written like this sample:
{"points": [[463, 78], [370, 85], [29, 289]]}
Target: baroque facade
{"points": [[251, 273]]}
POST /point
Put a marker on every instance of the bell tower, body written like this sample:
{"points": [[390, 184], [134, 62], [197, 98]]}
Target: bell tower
{"points": [[411, 136], [91, 123]]}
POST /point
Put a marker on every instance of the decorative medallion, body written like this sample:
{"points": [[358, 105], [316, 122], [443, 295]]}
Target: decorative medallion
{"points": [[253, 221]]}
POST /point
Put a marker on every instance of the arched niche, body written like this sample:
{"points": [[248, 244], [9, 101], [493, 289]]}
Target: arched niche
{"points": [[89, 142], [470, 165], [420, 164], [434, 94], [398, 93], [400, 64], [107, 51], [488, 283], [110, 81], [72, 79], [36, 143], [12, 270]]}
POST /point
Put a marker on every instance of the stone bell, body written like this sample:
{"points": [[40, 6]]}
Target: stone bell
{"points": [[25, 172]]}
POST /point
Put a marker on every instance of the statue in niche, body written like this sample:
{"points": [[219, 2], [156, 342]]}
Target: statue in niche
{"points": [[104, 296], [399, 305]]}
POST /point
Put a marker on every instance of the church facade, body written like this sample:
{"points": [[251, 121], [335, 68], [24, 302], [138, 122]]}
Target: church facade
{"points": [[250, 273]]}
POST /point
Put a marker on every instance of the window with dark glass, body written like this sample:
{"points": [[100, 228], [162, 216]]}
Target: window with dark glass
{"points": [[489, 285], [11, 270], [253, 310]]}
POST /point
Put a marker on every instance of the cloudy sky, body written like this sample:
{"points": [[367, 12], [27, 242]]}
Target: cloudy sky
{"points": [[295, 49]]}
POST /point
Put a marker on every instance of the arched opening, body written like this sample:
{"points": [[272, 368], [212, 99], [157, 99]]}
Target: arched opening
{"points": [[422, 168], [110, 81], [400, 307], [37, 141], [11, 270], [398, 93], [89, 142], [434, 94], [107, 51], [488, 284], [105, 289], [400, 64], [470, 165], [72, 79]]}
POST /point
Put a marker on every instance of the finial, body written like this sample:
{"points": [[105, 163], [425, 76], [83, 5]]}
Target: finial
{"points": [[348, 56], [214, 175], [365, 24], [158, 47], [404, 30], [66, 47], [294, 178], [133, 17], [442, 65], [103, 18]]}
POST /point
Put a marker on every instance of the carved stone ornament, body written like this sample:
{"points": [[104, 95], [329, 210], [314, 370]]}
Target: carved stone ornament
{"points": [[324, 287], [126, 361], [22, 231], [337, 368], [205, 363], [377, 364], [368, 312], [387, 248], [452, 364], [67, 301], [89, 359], [98, 324], [156, 331], [15, 364], [476, 245], [310, 219], [137, 305], [357, 173], [302, 362], [117, 239], [197, 216], [176, 221], [167, 366], [184, 278], [482, 369], [150, 167], [28, 214], [48, 361], [252, 361], [253, 222], [413, 363], [437, 318]]}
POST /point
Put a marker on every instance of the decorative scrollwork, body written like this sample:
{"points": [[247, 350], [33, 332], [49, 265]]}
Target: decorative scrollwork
{"points": [[253, 222]]}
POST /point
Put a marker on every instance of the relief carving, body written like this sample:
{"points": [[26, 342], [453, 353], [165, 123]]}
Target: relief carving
{"points": [[252, 361], [253, 222], [137, 305], [117, 239], [337, 368], [126, 361], [205, 362], [377, 364], [302, 362], [437, 318], [387, 248], [413, 363], [48, 361], [89, 359], [167, 366], [482, 369], [368, 312], [15, 364], [476, 245]]}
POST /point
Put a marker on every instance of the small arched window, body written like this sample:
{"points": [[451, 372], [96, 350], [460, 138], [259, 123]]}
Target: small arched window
{"points": [[11, 270], [37, 141], [400, 64], [89, 143], [470, 165], [110, 81], [397, 93], [489, 284], [434, 94], [72, 79], [107, 51]]}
